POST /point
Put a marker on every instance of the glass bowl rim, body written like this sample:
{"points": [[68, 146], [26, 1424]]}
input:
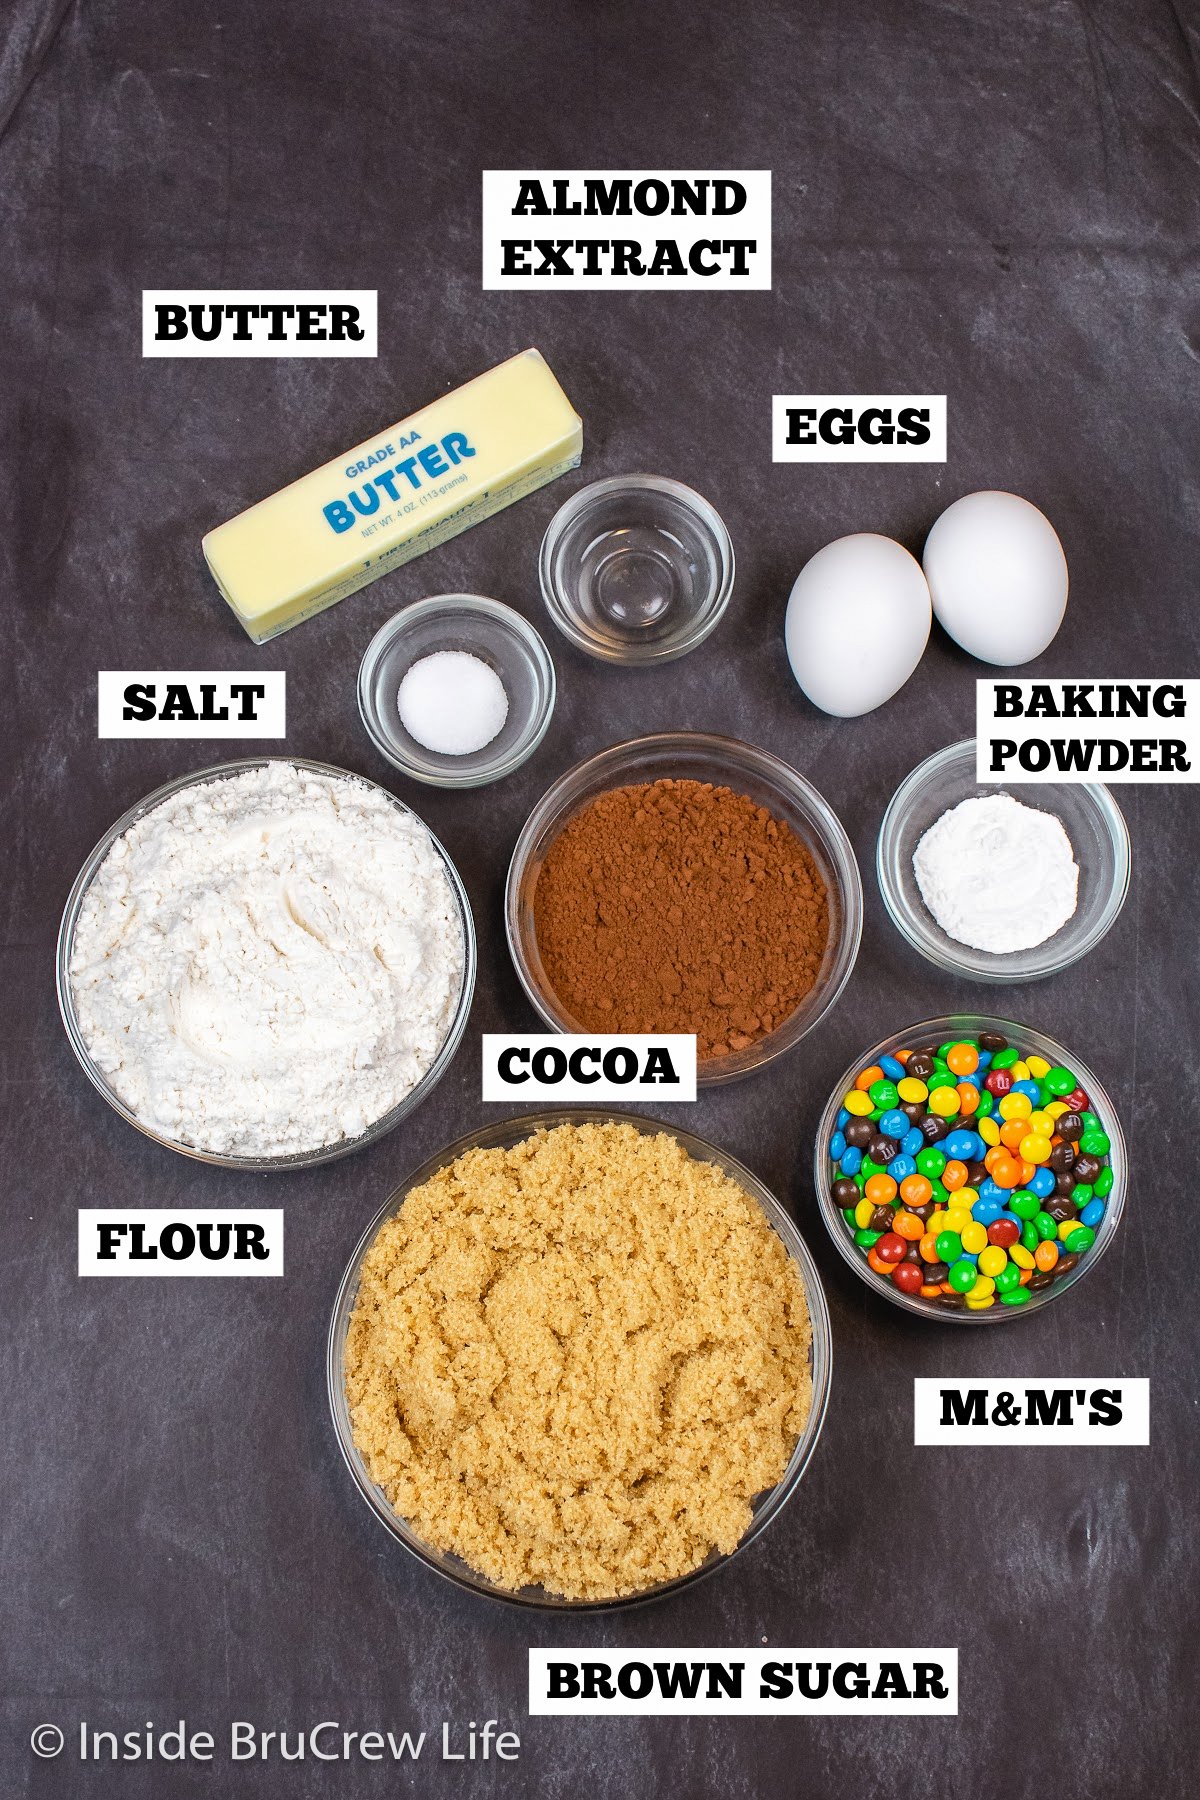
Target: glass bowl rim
{"points": [[304, 1159], [524, 635], [662, 650], [514, 1130], [978, 964], [835, 1225], [835, 844]]}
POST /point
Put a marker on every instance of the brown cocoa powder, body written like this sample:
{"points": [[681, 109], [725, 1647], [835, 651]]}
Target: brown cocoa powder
{"points": [[680, 906]]}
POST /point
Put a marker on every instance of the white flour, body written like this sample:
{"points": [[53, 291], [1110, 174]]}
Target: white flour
{"points": [[997, 875], [267, 963]]}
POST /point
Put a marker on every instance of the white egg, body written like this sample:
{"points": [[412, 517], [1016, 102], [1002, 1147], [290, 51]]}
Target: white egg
{"points": [[998, 577], [857, 621]]}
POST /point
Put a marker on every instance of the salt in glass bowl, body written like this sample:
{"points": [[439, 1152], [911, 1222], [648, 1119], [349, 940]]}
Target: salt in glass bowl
{"points": [[1092, 820], [937, 1031], [305, 1159], [765, 1507], [636, 569], [725, 762], [483, 628]]}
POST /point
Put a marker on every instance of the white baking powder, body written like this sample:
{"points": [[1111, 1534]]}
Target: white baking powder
{"points": [[997, 875], [269, 962]]}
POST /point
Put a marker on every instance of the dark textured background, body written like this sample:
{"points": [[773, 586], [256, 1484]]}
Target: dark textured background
{"points": [[997, 200]]}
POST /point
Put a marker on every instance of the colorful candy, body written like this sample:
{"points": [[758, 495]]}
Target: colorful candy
{"points": [[970, 1176]]}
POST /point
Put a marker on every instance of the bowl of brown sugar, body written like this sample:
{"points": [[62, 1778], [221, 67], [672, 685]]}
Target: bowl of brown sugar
{"points": [[685, 883], [579, 1359]]}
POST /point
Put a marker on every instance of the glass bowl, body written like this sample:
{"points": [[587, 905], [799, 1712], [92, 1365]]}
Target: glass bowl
{"points": [[636, 569], [305, 1159], [1092, 820], [484, 628], [935, 1031], [726, 762], [504, 1135]]}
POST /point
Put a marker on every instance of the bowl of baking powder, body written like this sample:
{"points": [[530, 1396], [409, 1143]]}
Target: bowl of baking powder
{"points": [[997, 885], [266, 964]]}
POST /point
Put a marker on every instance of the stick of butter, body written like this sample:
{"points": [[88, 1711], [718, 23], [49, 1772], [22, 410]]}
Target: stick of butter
{"points": [[457, 461]]}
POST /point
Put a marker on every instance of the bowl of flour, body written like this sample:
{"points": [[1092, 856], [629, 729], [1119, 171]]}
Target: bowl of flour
{"points": [[266, 964], [1001, 882]]}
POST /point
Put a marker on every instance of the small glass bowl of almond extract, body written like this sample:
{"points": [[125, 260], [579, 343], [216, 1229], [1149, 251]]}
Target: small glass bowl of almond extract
{"points": [[636, 569]]}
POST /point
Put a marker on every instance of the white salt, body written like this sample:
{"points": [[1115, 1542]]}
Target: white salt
{"points": [[453, 703]]}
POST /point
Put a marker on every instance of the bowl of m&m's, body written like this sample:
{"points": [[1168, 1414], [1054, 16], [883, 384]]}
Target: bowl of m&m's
{"points": [[970, 1169]]}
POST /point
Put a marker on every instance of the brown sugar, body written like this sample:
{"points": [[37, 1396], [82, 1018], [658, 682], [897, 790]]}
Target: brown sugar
{"points": [[575, 1362], [680, 906]]}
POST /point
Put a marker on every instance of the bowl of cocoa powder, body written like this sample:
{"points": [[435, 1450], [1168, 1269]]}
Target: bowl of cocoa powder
{"points": [[685, 882]]}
